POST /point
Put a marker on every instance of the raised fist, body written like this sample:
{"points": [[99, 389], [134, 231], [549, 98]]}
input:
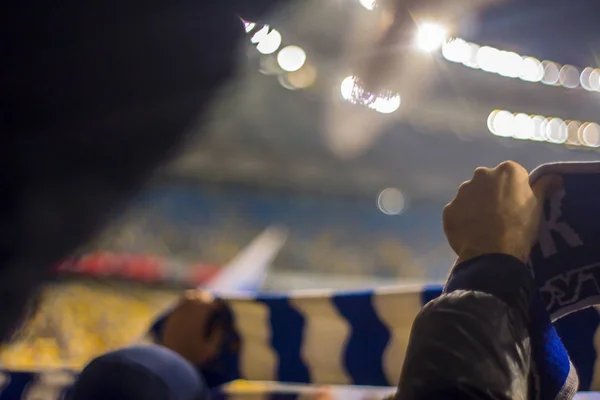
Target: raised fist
{"points": [[497, 211]]}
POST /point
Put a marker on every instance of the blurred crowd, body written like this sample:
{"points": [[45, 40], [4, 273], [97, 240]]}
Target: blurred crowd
{"points": [[327, 234], [78, 320]]}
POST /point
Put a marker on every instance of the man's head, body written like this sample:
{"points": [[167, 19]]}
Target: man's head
{"points": [[94, 97], [140, 372]]}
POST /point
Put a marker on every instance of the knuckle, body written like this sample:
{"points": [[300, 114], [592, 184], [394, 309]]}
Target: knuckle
{"points": [[463, 186], [510, 167], [447, 213], [481, 171]]}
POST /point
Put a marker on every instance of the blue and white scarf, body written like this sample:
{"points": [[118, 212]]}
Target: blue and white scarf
{"points": [[360, 337]]}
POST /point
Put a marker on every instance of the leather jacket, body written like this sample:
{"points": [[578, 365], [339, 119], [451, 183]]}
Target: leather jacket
{"points": [[473, 341]]}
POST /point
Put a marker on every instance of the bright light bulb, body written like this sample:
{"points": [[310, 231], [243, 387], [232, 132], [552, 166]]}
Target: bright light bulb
{"points": [[430, 36], [456, 50], [269, 43], [260, 35], [556, 131], [368, 4], [291, 58], [248, 26], [386, 105], [523, 127], [591, 135], [347, 87], [503, 124], [532, 70]]}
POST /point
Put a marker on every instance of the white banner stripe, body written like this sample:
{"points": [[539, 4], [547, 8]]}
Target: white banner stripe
{"points": [[258, 361], [397, 311], [325, 336]]}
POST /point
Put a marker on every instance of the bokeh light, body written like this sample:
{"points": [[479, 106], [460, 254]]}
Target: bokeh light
{"points": [[543, 129], [569, 76], [391, 201], [368, 4], [595, 79], [260, 34], [503, 124], [556, 131], [385, 103], [551, 73], [456, 50], [283, 81], [269, 43], [248, 26], [513, 65], [430, 36], [573, 128], [523, 127], [532, 70], [591, 135], [347, 87], [291, 58]]}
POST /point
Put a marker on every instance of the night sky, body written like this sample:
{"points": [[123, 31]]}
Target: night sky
{"points": [[567, 32]]}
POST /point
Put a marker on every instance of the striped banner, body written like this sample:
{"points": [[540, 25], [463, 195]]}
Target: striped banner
{"points": [[360, 338], [333, 338]]}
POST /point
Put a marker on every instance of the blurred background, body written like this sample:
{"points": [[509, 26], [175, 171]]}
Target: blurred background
{"points": [[351, 123]]}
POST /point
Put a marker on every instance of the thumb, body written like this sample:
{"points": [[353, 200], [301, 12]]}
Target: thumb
{"points": [[546, 186]]}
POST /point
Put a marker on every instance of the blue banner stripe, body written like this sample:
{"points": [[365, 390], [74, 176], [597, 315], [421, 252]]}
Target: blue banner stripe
{"points": [[226, 367], [368, 339], [430, 292], [283, 396], [287, 326], [577, 332]]}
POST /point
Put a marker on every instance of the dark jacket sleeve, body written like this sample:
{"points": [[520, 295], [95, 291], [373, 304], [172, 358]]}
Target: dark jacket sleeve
{"points": [[473, 342]]}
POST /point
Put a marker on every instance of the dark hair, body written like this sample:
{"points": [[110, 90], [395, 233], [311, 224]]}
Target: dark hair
{"points": [[94, 96]]}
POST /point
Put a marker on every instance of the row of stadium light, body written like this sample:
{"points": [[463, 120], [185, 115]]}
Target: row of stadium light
{"points": [[505, 63], [292, 59], [544, 129], [513, 65]]}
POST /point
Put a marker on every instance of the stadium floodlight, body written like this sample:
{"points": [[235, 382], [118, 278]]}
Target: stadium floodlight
{"points": [[513, 65], [269, 43], [354, 93], [291, 58], [260, 34], [544, 129], [430, 36], [386, 105], [248, 26], [368, 4], [590, 135]]}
